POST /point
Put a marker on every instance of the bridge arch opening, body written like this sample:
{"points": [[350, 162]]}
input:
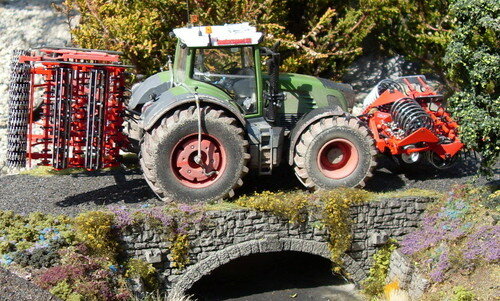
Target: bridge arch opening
{"points": [[274, 276]]}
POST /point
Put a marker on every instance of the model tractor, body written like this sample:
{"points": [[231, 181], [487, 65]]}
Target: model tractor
{"points": [[221, 110]]}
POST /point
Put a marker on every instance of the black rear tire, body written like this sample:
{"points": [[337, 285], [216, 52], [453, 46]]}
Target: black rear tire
{"points": [[342, 172], [159, 146]]}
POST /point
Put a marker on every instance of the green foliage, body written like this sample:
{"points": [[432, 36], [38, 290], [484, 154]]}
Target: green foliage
{"points": [[64, 291], [375, 282], [324, 42], [221, 206], [47, 171], [137, 268], [179, 251], [460, 293], [38, 258], [18, 232], [139, 28], [474, 64], [94, 228], [335, 215], [412, 192], [420, 30], [291, 206]]}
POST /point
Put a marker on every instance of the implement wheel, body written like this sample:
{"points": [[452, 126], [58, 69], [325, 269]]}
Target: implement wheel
{"points": [[169, 150], [334, 152]]}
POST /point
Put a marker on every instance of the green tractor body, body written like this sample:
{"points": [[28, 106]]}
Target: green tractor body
{"points": [[223, 81]]}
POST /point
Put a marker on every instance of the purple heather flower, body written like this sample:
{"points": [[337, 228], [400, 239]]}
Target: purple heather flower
{"points": [[438, 272], [160, 215], [484, 243], [123, 217], [187, 208]]}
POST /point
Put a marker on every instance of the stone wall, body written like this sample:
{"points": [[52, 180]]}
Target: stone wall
{"points": [[227, 235], [402, 269]]}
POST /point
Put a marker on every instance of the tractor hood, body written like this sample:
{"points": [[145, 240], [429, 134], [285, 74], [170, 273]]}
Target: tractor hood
{"points": [[315, 92]]}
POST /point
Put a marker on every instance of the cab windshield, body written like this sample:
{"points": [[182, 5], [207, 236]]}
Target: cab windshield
{"points": [[231, 69]]}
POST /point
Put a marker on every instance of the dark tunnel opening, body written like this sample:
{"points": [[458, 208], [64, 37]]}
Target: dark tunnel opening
{"points": [[274, 276]]}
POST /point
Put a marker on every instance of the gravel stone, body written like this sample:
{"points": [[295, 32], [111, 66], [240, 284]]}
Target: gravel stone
{"points": [[16, 288]]}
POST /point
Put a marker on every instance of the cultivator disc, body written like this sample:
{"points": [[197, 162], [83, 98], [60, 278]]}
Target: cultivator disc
{"points": [[19, 93], [81, 108]]}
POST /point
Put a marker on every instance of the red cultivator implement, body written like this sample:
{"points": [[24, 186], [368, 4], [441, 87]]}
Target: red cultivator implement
{"points": [[407, 119], [80, 113]]}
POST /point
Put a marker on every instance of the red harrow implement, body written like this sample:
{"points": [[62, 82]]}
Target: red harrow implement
{"points": [[407, 119], [81, 109]]}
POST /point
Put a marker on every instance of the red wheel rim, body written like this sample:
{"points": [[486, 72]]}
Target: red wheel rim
{"points": [[338, 158], [187, 171]]}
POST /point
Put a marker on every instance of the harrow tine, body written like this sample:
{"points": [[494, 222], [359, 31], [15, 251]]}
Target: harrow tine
{"points": [[75, 111]]}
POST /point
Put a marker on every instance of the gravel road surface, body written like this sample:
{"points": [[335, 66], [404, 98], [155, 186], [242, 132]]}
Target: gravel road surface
{"points": [[71, 194], [14, 288]]}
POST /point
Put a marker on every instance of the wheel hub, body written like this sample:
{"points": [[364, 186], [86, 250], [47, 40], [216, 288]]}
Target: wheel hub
{"points": [[192, 174], [338, 158]]}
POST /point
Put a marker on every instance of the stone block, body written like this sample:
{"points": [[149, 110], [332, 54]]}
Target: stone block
{"points": [[245, 249], [377, 238], [357, 246], [140, 245], [233, 253], [270, 245], [393, 204], [420, 206]]}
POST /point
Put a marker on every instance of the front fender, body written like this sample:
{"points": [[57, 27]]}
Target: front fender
{"points": [[151, 87], [167, 102], [306, 121]]}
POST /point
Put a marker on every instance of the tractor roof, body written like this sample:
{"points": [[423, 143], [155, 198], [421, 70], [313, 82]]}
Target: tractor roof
{"points": [[220, 35]]}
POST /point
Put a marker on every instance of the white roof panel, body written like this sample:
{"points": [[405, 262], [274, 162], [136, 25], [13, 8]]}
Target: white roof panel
{"points": [[222, 35]]}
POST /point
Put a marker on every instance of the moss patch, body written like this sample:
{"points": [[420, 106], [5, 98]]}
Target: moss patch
{"points": [[412, 192], [374, 284]]}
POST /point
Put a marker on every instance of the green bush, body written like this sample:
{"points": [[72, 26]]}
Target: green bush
{"points": [[324, 42], [474, 64]]}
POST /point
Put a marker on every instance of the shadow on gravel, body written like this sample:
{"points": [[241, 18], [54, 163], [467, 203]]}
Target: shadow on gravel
{"points": [[388, 176], [132, 191]]}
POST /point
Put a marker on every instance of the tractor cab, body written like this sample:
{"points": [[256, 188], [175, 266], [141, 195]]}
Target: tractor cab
{"points": [[225, 57]]}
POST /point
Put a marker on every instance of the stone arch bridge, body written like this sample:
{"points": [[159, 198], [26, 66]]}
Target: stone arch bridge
{"points": [[232, 234]]}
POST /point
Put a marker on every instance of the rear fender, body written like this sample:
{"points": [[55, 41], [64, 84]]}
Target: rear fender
{"points": [[168, 102], [306, 121]]}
